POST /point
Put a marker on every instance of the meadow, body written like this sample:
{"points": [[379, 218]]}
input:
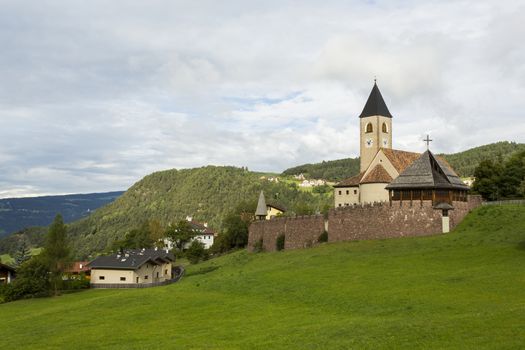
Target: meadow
{"points": [[465, 289]]}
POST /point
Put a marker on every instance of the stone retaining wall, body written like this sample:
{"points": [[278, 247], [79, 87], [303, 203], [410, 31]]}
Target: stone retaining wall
{"points": [[383, 220]]}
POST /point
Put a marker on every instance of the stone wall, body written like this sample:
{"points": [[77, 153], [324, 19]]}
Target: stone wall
{"points": [[384, 220], [299, 232]]}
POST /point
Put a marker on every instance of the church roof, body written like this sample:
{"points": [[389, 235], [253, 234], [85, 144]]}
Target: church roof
{"points": [[261, 206], [375, 105], [428, 172], [400, 159], [377, 175], [351, 181]]}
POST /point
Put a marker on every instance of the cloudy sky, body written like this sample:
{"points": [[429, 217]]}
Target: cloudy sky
{"points": [[96, 94]]}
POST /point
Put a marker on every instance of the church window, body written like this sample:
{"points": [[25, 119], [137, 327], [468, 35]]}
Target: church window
{"points": [[339, 192], [347, 192], [355, 191], [369, 128], [385, 128]]}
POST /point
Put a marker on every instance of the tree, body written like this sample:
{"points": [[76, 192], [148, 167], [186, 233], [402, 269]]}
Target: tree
{"points": [[487, 176], [180, 234], [56, 251], [32, 280], [23, 253], [196, 252]]}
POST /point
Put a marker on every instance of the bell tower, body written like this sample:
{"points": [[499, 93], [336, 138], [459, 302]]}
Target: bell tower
{"points": [[375, 127]]}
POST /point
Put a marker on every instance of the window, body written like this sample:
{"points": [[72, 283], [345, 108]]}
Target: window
{"points": [[157, 275], [339, 192], [166, 271], [339, 204], [347, 191], [369, 128], [146, 277], [101, 278], [122, 278], [385, 128], [355, 191]]}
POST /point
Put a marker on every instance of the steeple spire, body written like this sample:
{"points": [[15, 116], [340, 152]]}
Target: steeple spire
{"points": [[375, 105], [260, 212]]}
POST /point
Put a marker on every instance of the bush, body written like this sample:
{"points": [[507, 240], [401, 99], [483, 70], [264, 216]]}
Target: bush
{"points": [[258, 246], [196, 252], [32, 281], [323, 237], [279, 243]]}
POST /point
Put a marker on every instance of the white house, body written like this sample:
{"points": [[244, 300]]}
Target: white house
{"points": [[132, 266], [202, 233]]}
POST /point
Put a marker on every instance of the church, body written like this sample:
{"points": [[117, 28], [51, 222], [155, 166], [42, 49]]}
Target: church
{"points": [[388, 174]]}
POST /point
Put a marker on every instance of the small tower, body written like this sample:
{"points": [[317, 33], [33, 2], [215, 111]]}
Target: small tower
{"points": [[375, 127], [260, 212]]}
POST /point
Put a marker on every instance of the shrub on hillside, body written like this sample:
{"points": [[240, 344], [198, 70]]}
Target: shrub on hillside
{"points": [[32, 281], [258, 246], [323, 237], [279, 242], [196, 252]]}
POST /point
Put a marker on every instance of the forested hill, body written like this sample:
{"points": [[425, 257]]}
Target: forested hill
{"points": [[206, 193], [19, 213], [463, 162]]}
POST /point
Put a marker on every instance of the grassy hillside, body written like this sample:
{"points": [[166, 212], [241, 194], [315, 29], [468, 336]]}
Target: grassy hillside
{"points": [[206, 193], [463, 162], [460, 290]]}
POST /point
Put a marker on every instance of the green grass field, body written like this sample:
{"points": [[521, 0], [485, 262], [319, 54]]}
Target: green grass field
{"points": [[463, 290]]}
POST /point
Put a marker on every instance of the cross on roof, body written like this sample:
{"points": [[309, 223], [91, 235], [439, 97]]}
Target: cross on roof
{"points": [[428, 140]]}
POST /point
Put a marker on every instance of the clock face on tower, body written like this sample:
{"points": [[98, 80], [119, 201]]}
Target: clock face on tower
{"points": [[385, 143], [369, 142]]}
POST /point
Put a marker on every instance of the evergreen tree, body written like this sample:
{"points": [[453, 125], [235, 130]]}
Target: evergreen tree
{"points": [[196, 252], [23, 253], [56, 251]]}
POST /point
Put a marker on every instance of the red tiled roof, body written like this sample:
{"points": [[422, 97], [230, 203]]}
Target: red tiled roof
{"points": [[378, 174], [350, 182], [78, 266], [400, 159]]}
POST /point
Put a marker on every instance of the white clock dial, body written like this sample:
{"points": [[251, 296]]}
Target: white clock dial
{"points": [[385, 143], [369, 142]]}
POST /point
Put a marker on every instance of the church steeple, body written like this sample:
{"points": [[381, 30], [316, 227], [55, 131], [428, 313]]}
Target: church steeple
{"points": [[375, 105], [376, 127]]}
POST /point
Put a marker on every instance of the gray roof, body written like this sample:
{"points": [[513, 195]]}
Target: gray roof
{"points": [[428, 172], [375, 105], [131, 259], [261, 206]]}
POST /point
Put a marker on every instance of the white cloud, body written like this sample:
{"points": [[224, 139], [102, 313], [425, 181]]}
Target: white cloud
{"points": [[97, 94]]}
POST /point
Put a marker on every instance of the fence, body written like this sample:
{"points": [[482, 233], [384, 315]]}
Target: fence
{"points": [[179, 272], [510, 201]]}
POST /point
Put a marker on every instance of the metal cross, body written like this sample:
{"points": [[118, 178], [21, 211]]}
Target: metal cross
{"points": [[428, 140]]}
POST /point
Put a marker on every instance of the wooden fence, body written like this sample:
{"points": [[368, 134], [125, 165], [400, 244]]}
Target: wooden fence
{"points": [[510, 201]]}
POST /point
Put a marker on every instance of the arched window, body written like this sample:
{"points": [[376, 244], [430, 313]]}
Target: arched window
{"points": [[385, 128], [369, 128]]}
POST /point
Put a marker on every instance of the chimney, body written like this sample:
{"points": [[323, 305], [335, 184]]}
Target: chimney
{"points": [[205, 224], [189, 218], [156, 248]]}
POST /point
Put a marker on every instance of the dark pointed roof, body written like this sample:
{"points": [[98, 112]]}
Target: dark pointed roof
{"points": [[428, 172], [375, 105], [261, 206]]}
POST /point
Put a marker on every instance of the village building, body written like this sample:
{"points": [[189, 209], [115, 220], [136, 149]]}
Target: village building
{"points": [[202, 233], [132, 266], [78, 269], [266, 211], [7, 274], [379, 163]]}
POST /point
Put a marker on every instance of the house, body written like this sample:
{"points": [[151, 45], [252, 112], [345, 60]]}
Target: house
{"points": [[380, 165], [202, 233], [267, 211], [77, 269], [7, 274], [132, 266]]}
